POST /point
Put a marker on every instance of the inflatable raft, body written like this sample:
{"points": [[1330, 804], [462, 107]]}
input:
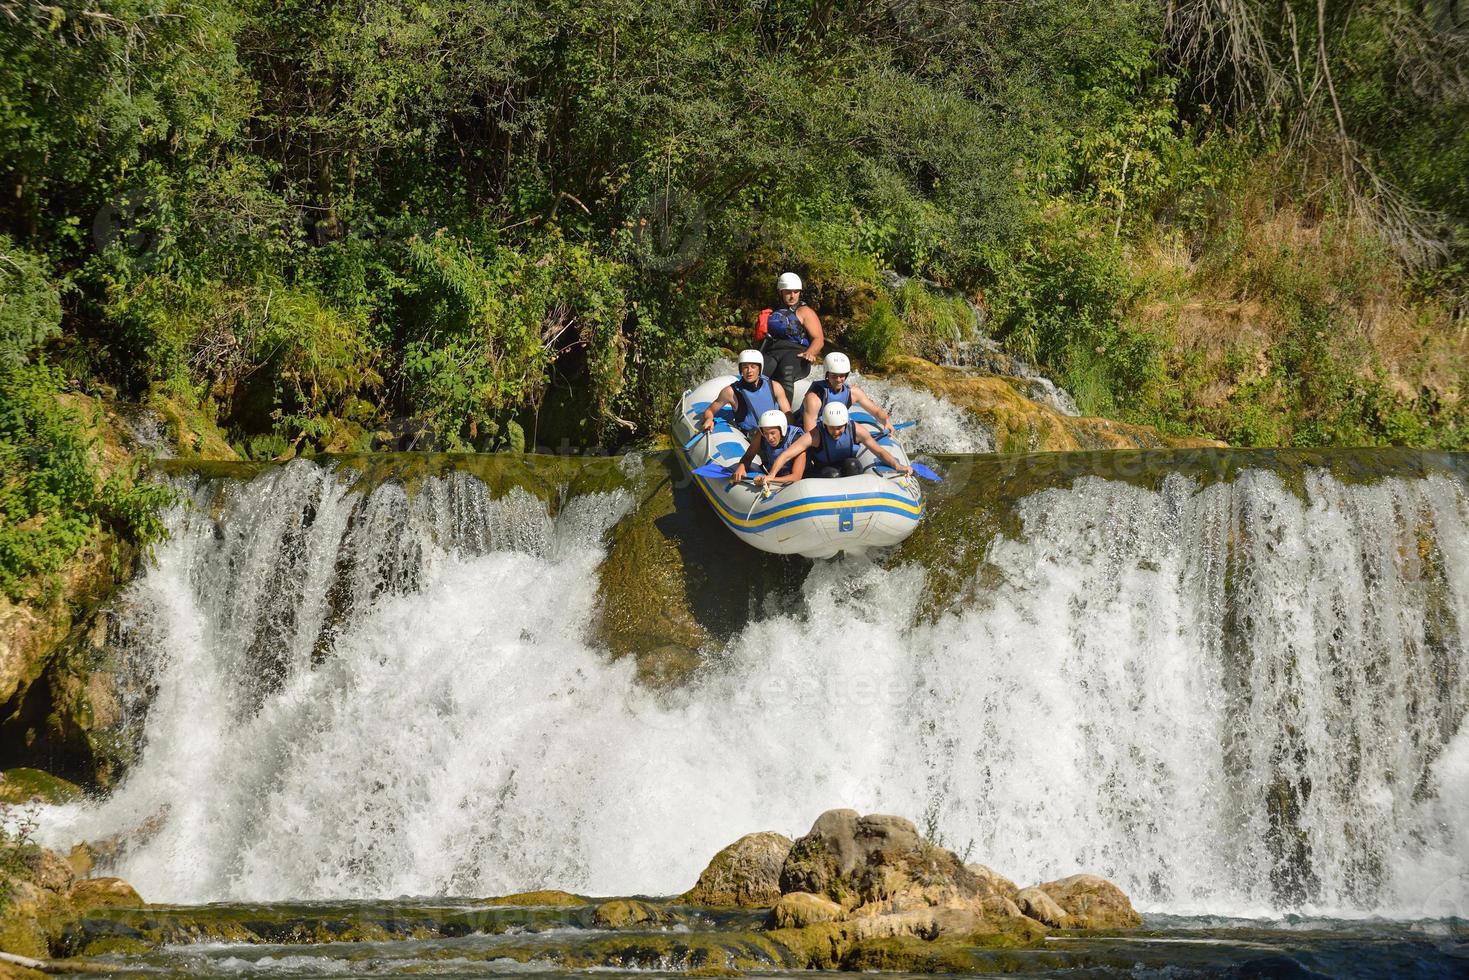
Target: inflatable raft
{"points": [[812, 517]]}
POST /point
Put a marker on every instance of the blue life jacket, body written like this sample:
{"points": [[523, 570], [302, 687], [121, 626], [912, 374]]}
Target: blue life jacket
{"points": [[785, 325], [752, 401], [823, 390], [831, 452], [767, 455]]}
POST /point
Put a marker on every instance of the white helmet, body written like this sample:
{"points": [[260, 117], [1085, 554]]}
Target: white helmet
{"points": [[834, 414], [752, 357], [837, 364], [787, 280], [773, 419]]}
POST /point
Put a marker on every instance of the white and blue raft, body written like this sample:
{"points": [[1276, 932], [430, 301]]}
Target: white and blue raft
{"points": [[814, 517]]}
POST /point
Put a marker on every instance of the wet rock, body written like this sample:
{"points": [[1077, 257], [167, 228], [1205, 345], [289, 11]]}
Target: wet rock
{"points": [[1019, 424], [557, 899], [746, 874], [24, 785], [625, 913], [878, 864], [1092, 902], [46, 869], [1043, 908], [997, 881], [800, 909], [103, 893]]}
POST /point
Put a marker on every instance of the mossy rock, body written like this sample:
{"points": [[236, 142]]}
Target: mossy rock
{"points": [[117, 946], [23, 785], [626, 913], [1021, 425], [746, 874], [546, 898]]}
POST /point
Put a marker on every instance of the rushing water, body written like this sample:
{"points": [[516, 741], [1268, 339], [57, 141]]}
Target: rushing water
{"points": [[1234, 699]]}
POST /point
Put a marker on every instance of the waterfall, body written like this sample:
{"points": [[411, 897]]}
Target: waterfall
{"points": [[1239, 698]]}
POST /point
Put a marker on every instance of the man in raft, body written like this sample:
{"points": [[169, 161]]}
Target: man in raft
{"points": [[773, 448], [793, 336], [834, 446], [751, 396], [836, 389]]}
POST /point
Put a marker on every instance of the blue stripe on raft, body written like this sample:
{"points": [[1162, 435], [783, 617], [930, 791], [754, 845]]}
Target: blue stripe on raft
{"points": [[825, 513], [838, 499]]}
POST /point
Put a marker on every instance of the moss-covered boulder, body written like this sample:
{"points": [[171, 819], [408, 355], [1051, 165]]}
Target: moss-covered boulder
{"points": [[103, 893], [1019, 424], [746, 874], [879, 865], [801, 909], [23, 785], [1042, 907], [1091, 902], [549, 898], [628, 913]]}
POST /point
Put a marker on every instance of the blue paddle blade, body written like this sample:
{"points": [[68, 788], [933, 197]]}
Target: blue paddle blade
{"points": [[918, 470], [714, 471], [697, 436], [905, 425]]}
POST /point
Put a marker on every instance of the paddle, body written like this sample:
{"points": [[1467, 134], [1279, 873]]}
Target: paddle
{"points": [[918, 470], [880, 431], [714, 471], [697, 436]]}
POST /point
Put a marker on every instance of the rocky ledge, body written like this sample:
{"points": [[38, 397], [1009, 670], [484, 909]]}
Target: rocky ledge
{"points": [[856, 893], [869, 892]]}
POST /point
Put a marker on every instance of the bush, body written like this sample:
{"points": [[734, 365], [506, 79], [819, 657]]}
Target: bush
{"points": [[52, 498], [30, 307]]}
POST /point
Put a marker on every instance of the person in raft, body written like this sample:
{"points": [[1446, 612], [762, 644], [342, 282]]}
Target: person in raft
{"points": [[751, 396], [836, 389], [834, 446], [792, 336], [773, 448]]}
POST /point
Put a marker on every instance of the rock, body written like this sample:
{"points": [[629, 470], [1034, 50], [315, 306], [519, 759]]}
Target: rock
{"points": [[1043, 908], [997, 881], [746, 874], [878, 865], [1092, 902], [82, 859], [1018, 424], [24, 785], [621, 913], [46, 869], [557, 899], [800, 909], [103, 893]]}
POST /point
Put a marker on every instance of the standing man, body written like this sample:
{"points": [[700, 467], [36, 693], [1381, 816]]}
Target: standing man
{"points": [[793, 336]]}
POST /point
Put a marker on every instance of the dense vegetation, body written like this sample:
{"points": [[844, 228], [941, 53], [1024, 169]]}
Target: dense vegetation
{"points": [[487, 223]]}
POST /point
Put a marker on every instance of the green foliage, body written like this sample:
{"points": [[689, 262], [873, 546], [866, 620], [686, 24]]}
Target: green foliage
{"points": [[18, 848], [30, 306], [875, 339], [1061, 298], [934, 315], [51, 497], [490, 218]]}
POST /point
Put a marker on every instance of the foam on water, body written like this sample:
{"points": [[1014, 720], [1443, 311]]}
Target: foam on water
{"points": [[1230, 700]]}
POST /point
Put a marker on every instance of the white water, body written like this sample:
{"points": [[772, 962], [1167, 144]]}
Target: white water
{"points": [[1140, 673]]}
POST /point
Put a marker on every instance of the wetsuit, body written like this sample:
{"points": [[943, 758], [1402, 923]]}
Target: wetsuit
{"points": [[786, 340]]}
